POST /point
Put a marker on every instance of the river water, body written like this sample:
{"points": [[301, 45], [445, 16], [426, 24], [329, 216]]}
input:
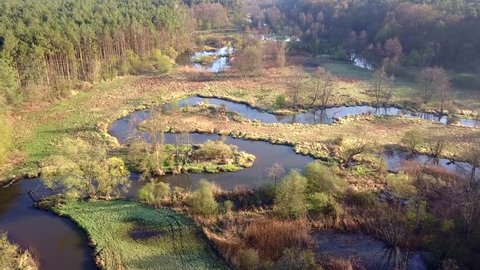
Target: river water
{"points": [[322, 116]]}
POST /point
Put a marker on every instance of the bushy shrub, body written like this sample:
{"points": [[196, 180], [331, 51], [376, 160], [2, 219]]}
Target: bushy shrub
{"points": [[11, 257], [322, 204], [214, 150], [290, 196], [85, 170], [155, 62], [401, 184], [412, 140], [321, 178], [361, 199], [280, 102], [161, 63], [228, 206], [154, 194], [203, 199], [265, 194]]}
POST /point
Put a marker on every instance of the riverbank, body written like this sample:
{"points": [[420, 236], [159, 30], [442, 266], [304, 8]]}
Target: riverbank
{"points": [[11, 257]]}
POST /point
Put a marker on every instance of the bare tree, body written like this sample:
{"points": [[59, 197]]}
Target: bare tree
{"points": [[469, 199], [323, 88], [383, 88], [434, 81], [349, 149], [211, 15], [274, 51], [249, 59], [295, 84], [423, 183], [156, 151], [435, 148], [390, 225], [392, 50], [275, 172]]}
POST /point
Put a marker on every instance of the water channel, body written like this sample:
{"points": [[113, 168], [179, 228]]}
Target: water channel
{"points": [[59, 244]]}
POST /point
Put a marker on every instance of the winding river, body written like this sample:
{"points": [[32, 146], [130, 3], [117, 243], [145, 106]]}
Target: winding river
{"points": [[59, 244], [322, 116]]}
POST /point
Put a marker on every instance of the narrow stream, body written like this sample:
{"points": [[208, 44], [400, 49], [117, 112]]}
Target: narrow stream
{"points": [[60, 244], [325, 116]]}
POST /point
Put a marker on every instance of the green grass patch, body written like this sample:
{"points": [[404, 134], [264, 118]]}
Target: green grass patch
{"points": [[132, 236]]}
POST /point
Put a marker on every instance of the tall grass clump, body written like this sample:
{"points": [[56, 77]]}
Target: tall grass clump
{"points": [[271, 237]]}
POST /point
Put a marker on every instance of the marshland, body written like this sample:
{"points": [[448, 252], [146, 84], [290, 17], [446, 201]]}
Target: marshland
{"points": [[239, 134]]}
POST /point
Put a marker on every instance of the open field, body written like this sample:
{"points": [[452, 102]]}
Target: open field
{"points": [[128, 235]]}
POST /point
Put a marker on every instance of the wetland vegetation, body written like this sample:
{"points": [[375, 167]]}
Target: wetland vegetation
{"points": [[239, 134]]}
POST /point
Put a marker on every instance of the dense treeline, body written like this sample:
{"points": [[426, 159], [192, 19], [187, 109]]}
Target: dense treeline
{"points": [[219, 14], [416, 33], [46, 45]]}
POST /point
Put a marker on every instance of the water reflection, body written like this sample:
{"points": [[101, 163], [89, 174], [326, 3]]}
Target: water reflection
{"points": [[220, 64]]}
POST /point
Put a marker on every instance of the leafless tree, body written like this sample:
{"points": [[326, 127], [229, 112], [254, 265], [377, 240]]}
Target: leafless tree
{"points": [[275, 172], [435, 148], [275, 52], [434, 81], [249, 59], [295, 84], [323, 88], [383, 87], [393, 50]]}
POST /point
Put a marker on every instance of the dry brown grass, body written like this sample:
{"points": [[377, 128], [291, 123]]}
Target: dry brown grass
{"points": [[267, 236], [270, 236], [332, 263]]}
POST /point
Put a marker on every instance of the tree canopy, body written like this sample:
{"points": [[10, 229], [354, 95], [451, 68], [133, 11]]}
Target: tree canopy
{"points": [[415, 33], [58, 42]]}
